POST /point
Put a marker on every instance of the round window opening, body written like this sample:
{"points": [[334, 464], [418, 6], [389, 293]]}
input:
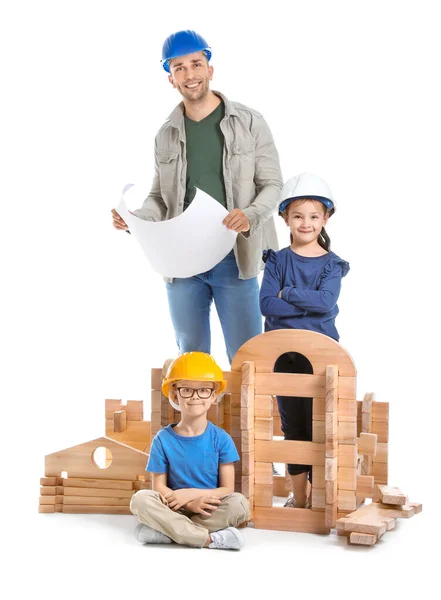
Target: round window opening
{"points": [[102, 457]]}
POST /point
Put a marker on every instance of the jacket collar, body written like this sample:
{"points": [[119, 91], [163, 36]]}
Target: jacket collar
{"points": [[176, 117]]}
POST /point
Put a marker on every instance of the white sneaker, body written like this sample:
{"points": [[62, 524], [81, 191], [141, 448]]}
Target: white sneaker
{"points": [[147, 535], [292, 503], [227, 539]]}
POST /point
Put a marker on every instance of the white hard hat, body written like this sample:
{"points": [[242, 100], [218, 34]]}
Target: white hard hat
{"points": [[308, 186]]}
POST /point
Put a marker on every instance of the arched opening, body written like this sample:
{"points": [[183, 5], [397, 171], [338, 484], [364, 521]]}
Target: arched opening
{"points": [[292, 421], [102, 457]]}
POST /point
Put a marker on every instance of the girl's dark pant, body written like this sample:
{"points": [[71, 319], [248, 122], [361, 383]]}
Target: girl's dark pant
{"points": [[295, 412]]}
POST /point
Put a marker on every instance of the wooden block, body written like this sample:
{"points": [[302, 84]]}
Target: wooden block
{"points": [[331, 467], [380, 411], [416, 506], [247, 396], [318, 409], [347, 478], [96, 501], [156, 379], [290, 519], [247, 460], [115, 484], [347, 432], [155, 422], [367, 402], [51, 500], [331, 492], [365, 486], [263, 429], [280, 487], [318, 497], [346, 500], [235, 430], [49, 490], [46, 508], [50, 481], [247, 486], [119, 421], [382, 453], [380, 473], [347, 409], [263, 495], [319, 431], [331, 426], [367, 444], [306, 386], [331, 391], [142, 485], [263, 406], [382, 430], [247, 441], [105, 493], [366, 465], [318, 476], [391, 495], [347, 456], [363, 539], [330, 514], [248, 373], [366, 423], [247, 407], [290, 451], [227, 423], [263, 473]]}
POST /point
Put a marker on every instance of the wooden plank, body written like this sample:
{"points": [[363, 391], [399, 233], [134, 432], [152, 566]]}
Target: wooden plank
{"points": [[51, 500], [382, 454], [331, 491], [51, 481], [247, 460], [82, 491], [265, 349], [280, 486], [319, 431], [248, 486], [263, 473], [119, 421], [318, 476], [235, 430], [263, 429], [347, 478], [347, 455], [248, 373], [96, 501], [247, 407], [391, 495], [380, 473], [365, 486], [331, 389], [380, 411], [290, 451], [347, 409], [135, 435], [156, 379], [382, 430], [263, 406], [318, 497], [347, 432], [247, 441], [263, 495], [299, 385], [290, 519], [363, 539]]}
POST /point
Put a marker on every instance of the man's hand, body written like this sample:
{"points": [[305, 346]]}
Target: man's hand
{"points": [[118, 222], [237, 221], [204, 505], [178, 498]]}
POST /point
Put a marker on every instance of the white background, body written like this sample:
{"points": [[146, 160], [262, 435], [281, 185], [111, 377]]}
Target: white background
{"points": [[351, 93]]}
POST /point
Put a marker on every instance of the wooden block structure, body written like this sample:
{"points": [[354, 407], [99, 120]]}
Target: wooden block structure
{"points": [[99, 476], [125, 423]]}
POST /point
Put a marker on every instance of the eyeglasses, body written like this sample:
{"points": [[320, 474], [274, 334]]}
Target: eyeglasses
{"points": [[203, 392]]}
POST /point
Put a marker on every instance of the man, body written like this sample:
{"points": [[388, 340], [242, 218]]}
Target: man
{"points": [[226, 150]]}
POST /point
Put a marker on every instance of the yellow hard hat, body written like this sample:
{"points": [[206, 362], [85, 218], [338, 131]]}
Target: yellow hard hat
{"points": [[194, 366]]}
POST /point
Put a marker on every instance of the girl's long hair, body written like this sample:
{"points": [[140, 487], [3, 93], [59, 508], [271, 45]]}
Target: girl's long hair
{"points": [[323, 239]]}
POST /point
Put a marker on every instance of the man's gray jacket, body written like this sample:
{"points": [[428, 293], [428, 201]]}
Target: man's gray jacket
{"points": [[252, 177]]}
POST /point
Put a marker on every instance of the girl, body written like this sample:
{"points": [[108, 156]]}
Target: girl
{"points": [[300, 288]]}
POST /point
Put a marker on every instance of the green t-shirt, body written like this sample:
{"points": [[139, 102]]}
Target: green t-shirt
{"points": [[205, 144]]}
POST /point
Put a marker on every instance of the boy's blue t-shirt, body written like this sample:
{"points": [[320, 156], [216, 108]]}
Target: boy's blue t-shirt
{"points": [[191, 462]]}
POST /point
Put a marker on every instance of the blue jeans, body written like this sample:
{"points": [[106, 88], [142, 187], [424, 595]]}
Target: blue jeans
{"points": [[237, 304]]}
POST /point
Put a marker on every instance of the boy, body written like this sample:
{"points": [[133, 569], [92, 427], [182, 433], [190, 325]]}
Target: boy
{"points": [[192, 501]]}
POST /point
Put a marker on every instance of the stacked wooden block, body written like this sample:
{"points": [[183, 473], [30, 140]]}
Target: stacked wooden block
{"points": [[86, 496], [366, 525], [125, 423], [373, 418]]}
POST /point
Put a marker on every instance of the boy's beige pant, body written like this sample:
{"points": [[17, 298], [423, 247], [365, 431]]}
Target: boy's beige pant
{"points": [[190, 529]]}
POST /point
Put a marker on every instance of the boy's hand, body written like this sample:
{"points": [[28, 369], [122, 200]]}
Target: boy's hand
{"points": [[204, 505], [178, 498]]}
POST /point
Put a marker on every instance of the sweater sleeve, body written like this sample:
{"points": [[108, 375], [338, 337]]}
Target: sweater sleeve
{"points": [[270, 304], [325, 297]]}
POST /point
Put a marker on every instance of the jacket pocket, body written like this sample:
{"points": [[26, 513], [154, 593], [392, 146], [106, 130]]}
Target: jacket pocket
{"points": [[168, 169], [242, 161], [211, 462]]}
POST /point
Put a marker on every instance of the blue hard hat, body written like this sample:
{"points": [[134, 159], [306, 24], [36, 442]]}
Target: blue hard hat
{"points": [[181, 43]]}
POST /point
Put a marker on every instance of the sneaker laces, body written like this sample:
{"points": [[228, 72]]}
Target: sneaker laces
{"points": [[219, 540]]}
